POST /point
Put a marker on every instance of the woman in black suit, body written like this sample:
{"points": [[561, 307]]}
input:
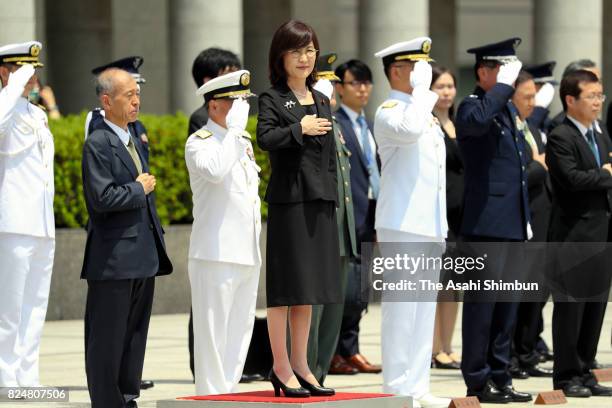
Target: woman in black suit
{"points": [[302, 259], [443, 83]]}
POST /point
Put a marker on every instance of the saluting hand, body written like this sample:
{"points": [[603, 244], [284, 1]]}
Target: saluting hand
{"points": [[421, 75], [508, 72], [238, 115], [147, 181], [313, 126], [21, 77]]}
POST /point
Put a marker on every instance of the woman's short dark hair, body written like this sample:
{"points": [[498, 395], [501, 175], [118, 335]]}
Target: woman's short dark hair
{"points": [[436, 72], [570, 84], [291, 35], [357, 68]]}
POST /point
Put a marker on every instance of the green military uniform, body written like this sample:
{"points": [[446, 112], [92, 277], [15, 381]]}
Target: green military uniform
{"points": [[326, 319]]}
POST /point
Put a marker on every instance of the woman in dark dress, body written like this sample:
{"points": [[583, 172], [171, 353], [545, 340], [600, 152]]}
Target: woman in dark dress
{"points": [[302, 258], [443, 83]]}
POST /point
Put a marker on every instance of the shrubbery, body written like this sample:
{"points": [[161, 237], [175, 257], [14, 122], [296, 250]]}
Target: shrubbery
{"points": [[167, 135]]}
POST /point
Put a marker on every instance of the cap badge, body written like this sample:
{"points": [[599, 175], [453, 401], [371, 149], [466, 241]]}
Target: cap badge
{"points": [[331, 59], [245, 79], [426, 47], [34, 50]]}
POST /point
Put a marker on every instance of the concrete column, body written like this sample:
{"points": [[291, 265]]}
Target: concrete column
{"points": [[78, 39], [607, 54], [140, 27], [263, 17], [194, 26], [566, 30], [17, 21], [443, 29], [335, 22], [382, 23]]}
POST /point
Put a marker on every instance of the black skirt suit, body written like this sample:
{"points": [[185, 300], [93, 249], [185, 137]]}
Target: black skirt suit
{"points": [[302, 252]]}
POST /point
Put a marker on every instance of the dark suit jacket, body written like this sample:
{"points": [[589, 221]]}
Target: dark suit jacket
{"points": [[581, 189], [539, 188], [124, 238], [197, 119], [495, 200], [360, 182], [303, 167], [454, 185]]}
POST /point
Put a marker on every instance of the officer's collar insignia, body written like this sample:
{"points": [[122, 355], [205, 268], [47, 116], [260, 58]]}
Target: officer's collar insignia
{"points": [[203, 133], [289, 104]]}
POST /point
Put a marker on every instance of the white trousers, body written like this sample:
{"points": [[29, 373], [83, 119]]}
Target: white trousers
{"points": [[223, 297], [26, 263], [407, 327]]}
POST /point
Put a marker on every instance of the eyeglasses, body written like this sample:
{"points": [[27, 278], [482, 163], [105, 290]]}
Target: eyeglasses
{"points": [[297, 53], [592, 97], [358, 84]]}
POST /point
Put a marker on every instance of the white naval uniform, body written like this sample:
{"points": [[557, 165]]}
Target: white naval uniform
{"points": [[411, 208], [27, 234], [224, 257]]}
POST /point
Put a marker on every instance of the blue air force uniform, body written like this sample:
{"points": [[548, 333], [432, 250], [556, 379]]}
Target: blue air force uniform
{"points": [[496, 208]]}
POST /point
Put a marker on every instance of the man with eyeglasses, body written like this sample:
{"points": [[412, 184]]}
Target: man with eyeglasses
{"points": [[354, 89], [578, 155], [496, 209], [27, 226]]}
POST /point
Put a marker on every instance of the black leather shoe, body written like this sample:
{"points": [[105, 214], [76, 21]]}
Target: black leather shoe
{"points": [[576, 391], [315, 390], [546, 356], [247, 378], [518, 373], [491, 394], [537, 371], [146, 384], [599, 390], [515, 395], [289, 392]]}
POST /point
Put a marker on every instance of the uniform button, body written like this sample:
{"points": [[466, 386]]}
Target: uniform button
{"points": [[516, 139], [520, 153], [440, 166], [523, 182], [346, 183], [347, 199], [151, 227], [523, 168], [502, 132], [342, 168]]}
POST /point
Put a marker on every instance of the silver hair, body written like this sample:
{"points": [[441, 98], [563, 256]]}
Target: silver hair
{"points": [[105, 82]]}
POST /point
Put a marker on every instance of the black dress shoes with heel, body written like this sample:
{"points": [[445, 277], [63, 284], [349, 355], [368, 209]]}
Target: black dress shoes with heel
{"points": [[298, 392], [315, 390]]}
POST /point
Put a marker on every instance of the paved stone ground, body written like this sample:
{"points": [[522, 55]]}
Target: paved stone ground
{"points": [[167, 363]]}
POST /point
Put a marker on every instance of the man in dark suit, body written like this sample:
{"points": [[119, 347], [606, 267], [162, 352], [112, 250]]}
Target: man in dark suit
{"points": [[354, 90], [526, 359], [578, 157], [209, 64], [125, 247], [495, 183]]}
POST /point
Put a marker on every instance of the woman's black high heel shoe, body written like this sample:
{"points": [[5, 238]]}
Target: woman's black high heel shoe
{"points": [[289, 392], [315, 390]]}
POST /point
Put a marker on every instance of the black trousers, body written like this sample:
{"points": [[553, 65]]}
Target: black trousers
{"points": [[487, 328], [527, 333], [116, 325], [576, 328]]}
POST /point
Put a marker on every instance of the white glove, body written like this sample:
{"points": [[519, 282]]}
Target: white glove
{"points": [[545, 95], [238, 115], [21, 77], [421, 75], [509, 72], [325, 87]]}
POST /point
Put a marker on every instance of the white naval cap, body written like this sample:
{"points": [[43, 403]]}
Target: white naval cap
{"points": [[21, 53], [413, 50], [232, 85]]}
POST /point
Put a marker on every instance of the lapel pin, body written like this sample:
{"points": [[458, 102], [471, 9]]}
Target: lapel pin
{"points": [[289, 104]]}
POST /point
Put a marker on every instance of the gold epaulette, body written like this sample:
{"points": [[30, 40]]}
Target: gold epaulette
{"points": [[203, 133], [388, 104]]}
